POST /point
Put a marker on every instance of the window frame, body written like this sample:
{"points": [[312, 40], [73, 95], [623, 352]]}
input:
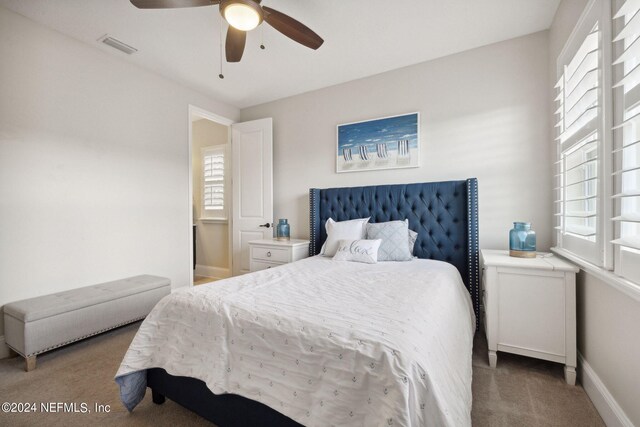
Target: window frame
{"points": [[612, 270]]}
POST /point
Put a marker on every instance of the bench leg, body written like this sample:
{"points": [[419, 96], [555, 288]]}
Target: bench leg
{"points": [[30, 363], [157, 398]]}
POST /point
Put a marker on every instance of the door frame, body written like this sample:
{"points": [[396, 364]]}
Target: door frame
{"points": [[205, 114]]}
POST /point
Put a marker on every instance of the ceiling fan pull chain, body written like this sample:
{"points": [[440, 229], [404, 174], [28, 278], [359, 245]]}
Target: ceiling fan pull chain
{"points": [[221, 76], [262, 38]]}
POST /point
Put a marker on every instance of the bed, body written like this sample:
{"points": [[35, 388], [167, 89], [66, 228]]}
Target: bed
{"points": [[320, 342]]}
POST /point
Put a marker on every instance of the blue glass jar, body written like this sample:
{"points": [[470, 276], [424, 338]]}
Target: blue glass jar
{"points": [[522, 240], [283, 231]]}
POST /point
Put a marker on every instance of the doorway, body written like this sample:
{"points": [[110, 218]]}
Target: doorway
{"points": [[209, 138]]}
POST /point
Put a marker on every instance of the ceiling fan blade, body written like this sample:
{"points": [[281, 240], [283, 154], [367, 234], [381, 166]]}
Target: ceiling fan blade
{"points": [[292, 28], [234, 46], [171, 4]]}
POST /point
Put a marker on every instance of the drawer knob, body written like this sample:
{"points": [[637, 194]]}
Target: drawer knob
{"points": [[269, 254]]}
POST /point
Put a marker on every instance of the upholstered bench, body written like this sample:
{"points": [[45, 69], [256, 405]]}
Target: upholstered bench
{"points": [[40, 324]]}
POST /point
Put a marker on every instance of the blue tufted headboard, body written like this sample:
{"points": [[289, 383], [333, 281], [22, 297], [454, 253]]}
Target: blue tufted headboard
{"points": [[444, 214]]}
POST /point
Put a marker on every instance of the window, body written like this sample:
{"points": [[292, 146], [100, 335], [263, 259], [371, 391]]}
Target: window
{"points": [[626, 140], [580, 130], [214, 204], [597, 179]]}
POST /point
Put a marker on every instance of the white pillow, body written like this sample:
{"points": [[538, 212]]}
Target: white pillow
{"points": [[350, 230], [358, 250]]}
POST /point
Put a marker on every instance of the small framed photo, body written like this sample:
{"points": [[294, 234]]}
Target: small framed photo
{"points": [[385, 143]]}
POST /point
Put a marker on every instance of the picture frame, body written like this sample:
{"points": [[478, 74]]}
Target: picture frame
{"points": [[390, 142]]}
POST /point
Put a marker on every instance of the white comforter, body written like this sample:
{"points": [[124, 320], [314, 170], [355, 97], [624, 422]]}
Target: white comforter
{"points": [[324, 342]]}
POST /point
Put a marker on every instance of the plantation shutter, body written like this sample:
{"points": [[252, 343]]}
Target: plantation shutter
{"points": [[213, 179], [579, 130], [626, 145]]}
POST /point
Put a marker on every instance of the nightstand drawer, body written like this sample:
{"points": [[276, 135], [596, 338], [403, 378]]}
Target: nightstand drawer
{"points": [[267, 253], [259, 265], [270, 254]]}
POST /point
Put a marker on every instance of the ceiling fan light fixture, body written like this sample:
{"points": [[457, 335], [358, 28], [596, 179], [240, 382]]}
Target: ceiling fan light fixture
{"points": [[244, 15]]}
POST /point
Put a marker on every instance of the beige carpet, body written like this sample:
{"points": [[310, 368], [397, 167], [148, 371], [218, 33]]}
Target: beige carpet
{"points": [[523, 391], [83, 372], [520, 392]]}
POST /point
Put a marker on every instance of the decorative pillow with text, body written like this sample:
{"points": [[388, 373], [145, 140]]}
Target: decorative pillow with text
{"points": [[358, 251]]}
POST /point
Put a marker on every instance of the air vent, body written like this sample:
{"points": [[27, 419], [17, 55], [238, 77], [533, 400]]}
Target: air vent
{"points": [[117, 44]]}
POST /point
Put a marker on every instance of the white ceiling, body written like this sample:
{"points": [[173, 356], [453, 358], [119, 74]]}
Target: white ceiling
{"points": [[362, 38]]}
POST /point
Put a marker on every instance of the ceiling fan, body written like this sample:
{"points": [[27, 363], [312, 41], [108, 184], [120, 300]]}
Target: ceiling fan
{"points": [[243, 16]]}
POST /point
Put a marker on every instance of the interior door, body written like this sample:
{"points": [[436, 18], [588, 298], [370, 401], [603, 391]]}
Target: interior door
{"points": [[252, 194]]}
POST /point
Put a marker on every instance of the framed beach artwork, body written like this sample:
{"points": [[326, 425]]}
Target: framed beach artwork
{"points": [[385, 143]]}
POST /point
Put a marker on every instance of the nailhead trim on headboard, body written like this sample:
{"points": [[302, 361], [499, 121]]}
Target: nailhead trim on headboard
{"points": [[314, 199], [474, 270]]}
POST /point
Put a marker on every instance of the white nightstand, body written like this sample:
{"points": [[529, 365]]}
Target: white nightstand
{"points": [[530, 307], [271, 253]]}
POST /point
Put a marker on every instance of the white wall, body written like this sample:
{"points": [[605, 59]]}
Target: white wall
{"points": [[484, 114], [94, 162], [609, 341], [212, 243], [608, 320]]}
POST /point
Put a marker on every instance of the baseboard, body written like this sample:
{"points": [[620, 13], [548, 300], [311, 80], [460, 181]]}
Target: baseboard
{"points": [[607, 407], [214, 272], [4, 349]]}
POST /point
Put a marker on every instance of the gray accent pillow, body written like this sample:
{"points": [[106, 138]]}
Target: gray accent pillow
{"points": [[413, 236], [395, 241]]}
